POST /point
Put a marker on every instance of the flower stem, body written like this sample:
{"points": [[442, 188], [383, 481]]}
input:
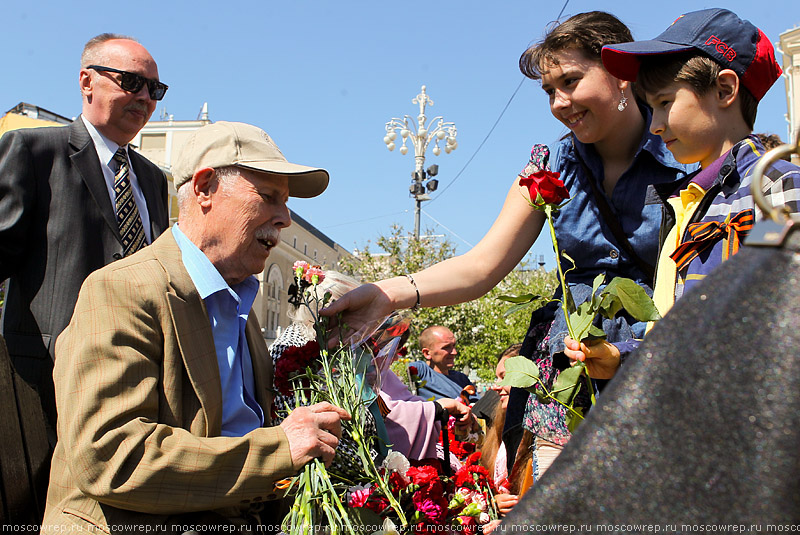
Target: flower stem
{"points": [[551, 396], [548, 212]]}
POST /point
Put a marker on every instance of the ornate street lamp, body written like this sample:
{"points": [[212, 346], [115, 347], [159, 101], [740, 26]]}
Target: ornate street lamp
{"points": [[419, 134]]}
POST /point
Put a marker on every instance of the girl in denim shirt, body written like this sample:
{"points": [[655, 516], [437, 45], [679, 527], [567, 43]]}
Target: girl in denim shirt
{"points": [[608, 149]]}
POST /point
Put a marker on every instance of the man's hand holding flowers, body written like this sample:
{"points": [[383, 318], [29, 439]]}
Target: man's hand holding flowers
{"points": [[326, 422]]}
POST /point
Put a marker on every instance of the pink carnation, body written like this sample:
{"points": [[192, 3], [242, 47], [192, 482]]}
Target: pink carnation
{"points": [[314, 275], [300, 268], [359, 496], [432, 509]]}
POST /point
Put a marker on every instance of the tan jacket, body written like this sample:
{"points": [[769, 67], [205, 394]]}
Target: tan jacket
{"points": [[140, 405]]}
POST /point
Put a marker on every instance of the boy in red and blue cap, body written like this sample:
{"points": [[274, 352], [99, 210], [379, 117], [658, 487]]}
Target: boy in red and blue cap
{"points": [[703, 77]]}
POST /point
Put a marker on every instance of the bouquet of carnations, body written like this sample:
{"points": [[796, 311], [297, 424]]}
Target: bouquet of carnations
{"points": [[392, 496], [431, 503]]}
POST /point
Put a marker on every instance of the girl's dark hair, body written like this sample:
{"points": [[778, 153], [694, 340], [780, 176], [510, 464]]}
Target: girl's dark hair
{"points": [[510, 351], [587, 32], [695, 69]]}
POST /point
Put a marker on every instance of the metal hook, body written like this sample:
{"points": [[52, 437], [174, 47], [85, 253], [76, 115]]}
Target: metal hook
{"points": [[771, 212]]}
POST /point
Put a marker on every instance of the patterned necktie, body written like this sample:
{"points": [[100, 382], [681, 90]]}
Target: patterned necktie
{"points": [[130, 224], [704, 235]]}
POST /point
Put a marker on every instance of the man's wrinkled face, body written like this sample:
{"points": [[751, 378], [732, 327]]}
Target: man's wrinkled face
{"points": [[247, 214]]}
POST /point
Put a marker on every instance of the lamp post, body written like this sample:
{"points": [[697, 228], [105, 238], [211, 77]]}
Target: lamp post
{"points": [[420, 134]]}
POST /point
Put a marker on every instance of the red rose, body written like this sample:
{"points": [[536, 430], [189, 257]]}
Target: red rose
{"points": [[413, 370], [547, 184]]}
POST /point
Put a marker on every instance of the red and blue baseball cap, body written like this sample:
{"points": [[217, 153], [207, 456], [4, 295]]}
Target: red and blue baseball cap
{"points": [[718, 33]]}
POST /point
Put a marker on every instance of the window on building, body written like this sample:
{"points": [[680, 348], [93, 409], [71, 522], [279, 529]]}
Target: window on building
{"points": [[272, 303], [154, 142]]}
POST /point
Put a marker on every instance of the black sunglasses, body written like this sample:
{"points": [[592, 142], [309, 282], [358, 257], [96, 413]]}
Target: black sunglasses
{"points": [[133, 83]]}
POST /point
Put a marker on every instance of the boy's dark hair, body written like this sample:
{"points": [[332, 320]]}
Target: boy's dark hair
{"points": [[587, 32], [695, 69]]}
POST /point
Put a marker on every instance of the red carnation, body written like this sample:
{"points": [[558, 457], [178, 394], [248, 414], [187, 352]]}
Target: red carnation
{"points": [[473, 459], [469, 526], [377, 504], [293, 360], [396, 482], [547, 184], [422, 475]]}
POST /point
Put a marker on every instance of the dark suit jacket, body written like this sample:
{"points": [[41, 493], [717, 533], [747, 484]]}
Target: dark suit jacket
{"points": [[57, 225]]}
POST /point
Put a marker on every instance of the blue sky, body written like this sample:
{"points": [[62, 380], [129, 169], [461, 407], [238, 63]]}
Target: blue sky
{"points": [[324, 77]]}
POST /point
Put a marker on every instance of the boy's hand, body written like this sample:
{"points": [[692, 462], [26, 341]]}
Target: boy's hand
{"points": [[601, 357]]}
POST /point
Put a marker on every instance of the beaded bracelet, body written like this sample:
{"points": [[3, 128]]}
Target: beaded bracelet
{"points": [[411, 279]]}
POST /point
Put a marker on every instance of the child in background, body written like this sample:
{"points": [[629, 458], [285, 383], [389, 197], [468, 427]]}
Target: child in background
{"points": [[493, 450], [703, 78]]}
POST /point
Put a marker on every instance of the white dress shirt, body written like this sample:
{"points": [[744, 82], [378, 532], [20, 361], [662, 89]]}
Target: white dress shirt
{"points": [[105, 152]]}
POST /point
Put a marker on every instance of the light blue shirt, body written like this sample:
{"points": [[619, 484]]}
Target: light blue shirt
{"points": [[228, 308]]}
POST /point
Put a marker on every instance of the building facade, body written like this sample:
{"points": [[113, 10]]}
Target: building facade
{"points": [[789, 47]]}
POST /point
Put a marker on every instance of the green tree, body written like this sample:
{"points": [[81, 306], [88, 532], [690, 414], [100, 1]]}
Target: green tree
{"points": [[481, 326]]}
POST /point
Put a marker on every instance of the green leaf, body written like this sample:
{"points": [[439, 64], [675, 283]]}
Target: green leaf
{"points": [[595, 333], [567, 384], [598, 281], [634, 299], [524, 298], [610, 305], [573, 420], [571, 308], [541, 396], [520, 372], [513, 309], [581, 320]]}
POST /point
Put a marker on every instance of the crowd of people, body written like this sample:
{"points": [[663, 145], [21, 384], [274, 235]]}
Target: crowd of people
{"points": [[148, 370]]}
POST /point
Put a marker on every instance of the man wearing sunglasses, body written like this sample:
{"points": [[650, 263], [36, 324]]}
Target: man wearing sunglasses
{"points": [[73, 199]]}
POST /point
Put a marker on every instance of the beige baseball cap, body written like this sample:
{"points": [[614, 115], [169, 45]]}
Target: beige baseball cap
{"points": [[226, 143]]}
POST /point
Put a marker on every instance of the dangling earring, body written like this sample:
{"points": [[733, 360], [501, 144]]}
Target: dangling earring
{"points": [[623, 101]]}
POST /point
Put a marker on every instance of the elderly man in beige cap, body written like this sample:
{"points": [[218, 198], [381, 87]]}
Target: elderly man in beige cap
{"points": [[163, 378]]}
